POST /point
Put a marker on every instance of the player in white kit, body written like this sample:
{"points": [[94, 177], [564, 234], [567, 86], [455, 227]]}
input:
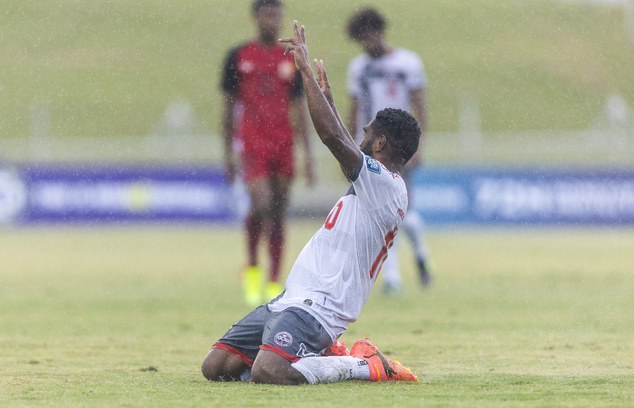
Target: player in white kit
{"points": [[283, 341], [389, 77]]}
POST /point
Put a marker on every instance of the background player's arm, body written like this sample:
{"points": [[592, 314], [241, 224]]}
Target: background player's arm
{"points": [[327, 124], [229, 83], [352, 116], [228, 130], [419, 110], [301, 125]]}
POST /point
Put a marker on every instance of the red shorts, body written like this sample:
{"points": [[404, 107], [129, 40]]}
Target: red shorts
{"points": [[256, 165]]}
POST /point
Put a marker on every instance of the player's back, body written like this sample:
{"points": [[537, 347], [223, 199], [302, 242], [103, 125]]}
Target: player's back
{"points": [[335, 271]]}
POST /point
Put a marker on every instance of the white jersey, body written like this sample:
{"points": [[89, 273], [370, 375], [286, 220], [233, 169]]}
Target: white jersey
{"points": [[384, 82], [332, 276]]}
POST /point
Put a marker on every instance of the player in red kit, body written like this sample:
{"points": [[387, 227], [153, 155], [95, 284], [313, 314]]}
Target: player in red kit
{"points": [[262, 90]]}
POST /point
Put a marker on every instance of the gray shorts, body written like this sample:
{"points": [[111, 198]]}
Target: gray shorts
{"points": [[292, 333]]}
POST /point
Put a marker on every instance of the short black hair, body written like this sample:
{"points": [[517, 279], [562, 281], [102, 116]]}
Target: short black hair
{"points": [[258, 4], [364, 21], [401, 130]]}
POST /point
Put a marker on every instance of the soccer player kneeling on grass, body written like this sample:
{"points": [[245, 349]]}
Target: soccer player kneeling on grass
{"points": [[292, 339]]}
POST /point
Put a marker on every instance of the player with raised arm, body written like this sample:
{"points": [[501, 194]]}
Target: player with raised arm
{"points": [[284, 341]]}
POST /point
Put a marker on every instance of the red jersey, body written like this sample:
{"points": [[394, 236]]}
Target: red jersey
{"points": [[264, 80]]}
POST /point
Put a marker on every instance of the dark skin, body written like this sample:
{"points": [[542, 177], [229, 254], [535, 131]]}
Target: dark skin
{"points": [[270, 367], [326, 119]]}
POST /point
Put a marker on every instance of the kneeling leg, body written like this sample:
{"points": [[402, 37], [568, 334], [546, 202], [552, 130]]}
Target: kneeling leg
{"points": [[220, 365], [271, 368]]}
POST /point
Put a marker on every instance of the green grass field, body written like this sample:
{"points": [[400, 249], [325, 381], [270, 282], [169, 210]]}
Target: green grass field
{"points": [[108, 69], [122, 316]]}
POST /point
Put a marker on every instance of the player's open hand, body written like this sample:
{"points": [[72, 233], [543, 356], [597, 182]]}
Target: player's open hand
{"points": [[296, 46]]}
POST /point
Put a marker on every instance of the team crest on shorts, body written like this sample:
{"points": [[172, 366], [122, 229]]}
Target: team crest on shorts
{"points": [[283, 339], [373, 165]]}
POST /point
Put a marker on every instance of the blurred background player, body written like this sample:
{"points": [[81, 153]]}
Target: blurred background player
{"points": [[388, 77], [264, 110]]}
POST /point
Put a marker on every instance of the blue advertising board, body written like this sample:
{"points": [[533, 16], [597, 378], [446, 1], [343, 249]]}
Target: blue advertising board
{"points": [[523, 196], [482, 196], [87, 193]]}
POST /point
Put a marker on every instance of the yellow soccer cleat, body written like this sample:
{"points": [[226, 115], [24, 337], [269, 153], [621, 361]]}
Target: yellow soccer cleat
{"points": [[252, 286], [381, 367], [273, 289]]}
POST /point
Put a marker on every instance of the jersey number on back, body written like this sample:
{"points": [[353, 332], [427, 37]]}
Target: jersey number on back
{"points": [[389, 238], [332, 217]]}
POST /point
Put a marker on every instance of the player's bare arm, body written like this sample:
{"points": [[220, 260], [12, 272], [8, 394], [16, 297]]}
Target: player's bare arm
{"points": [[324, 85], [329, 129]]}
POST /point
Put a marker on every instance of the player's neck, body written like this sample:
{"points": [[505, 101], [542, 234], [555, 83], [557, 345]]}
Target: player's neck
{"points": [[380, 51], [266, 41], [388, 163]]}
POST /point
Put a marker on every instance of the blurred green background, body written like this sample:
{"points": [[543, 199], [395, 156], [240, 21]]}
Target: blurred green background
{"points": [[108, 69]]}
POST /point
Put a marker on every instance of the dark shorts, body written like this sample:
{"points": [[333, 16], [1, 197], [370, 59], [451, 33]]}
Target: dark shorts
{"points": [[257, 165], [292, 333]]}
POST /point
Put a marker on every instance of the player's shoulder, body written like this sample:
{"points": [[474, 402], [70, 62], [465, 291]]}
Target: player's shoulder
{"points": [[358, 62], [407, 55], [375, 167], [235, 51]]}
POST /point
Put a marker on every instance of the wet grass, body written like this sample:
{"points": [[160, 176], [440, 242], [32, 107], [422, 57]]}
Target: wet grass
{"points": [[121, 316]]}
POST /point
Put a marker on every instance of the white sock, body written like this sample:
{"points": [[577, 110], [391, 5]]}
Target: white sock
{"points": [[324, 370], [246, 375]]}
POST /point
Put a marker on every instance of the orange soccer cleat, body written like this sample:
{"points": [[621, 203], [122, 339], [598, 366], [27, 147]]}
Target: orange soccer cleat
{"points": [[381, 367]]}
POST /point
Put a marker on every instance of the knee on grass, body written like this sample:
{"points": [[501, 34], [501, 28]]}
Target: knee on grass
{"points": [[222, 369]]}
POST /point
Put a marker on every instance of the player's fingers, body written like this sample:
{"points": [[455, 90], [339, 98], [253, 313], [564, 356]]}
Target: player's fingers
{"points": [[303, 34], [323, 69], [317, 68], [286, 40], [296, 29]]}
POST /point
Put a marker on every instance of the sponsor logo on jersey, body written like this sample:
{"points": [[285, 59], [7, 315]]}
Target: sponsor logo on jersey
{"points": [[373, 165], [283, 339]]}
